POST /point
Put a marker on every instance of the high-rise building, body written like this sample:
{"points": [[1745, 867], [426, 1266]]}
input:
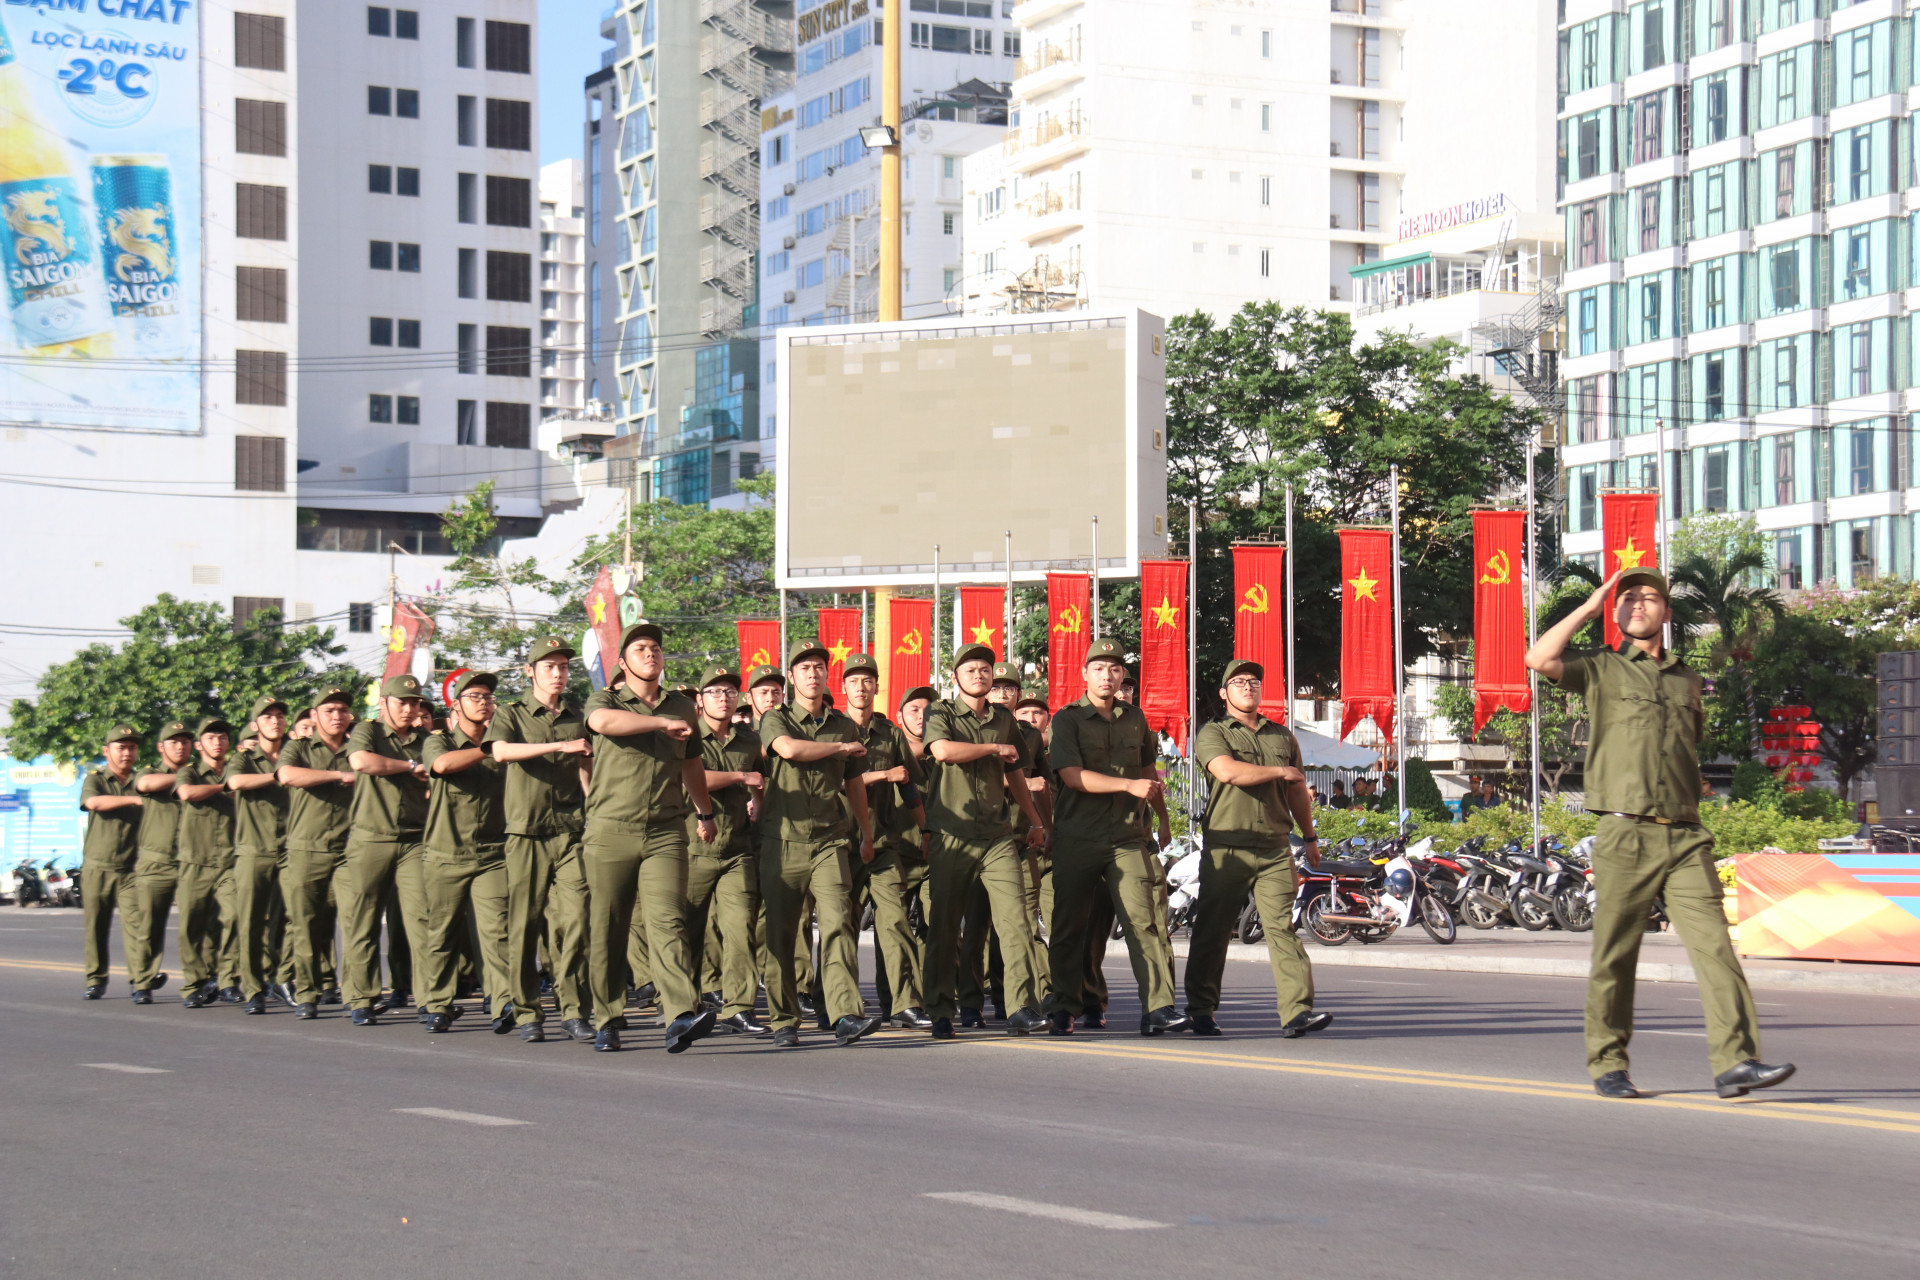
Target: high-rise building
{"points": [[604, 215], [563, 284]]}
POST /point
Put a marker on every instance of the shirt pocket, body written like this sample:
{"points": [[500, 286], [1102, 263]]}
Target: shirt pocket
{"points": [[1637, 711]]}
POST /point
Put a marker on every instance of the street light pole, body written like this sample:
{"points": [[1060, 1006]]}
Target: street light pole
{"points": [[890, 161]]}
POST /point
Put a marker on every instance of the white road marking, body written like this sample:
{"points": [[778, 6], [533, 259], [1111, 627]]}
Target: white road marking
{"points": [[1701, 1035], [128, 1069], [1382, 982], [464, 1117], [1039, 1209]]}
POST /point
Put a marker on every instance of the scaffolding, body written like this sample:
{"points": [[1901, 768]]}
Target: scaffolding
{"points": [[746, 55]]}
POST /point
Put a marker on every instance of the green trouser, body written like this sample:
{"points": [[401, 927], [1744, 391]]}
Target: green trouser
{"points": [[1094, 994], [1037, 883], [546, 885], [713, 945], [974, 979], [889, 882], [639, 962], [226, 893], [102, 888], [376, 868], [256, 893], [954, 868], [1632, 862], [279, 941], [455, 885], [315, 883], [1226, 876], [913, 870], [791, 871], [403, 927], [649, 866], [724, 891], [1125, 874], [199, 937], [156, 878]]}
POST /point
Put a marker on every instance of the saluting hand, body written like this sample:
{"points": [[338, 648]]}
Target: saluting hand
{"points": [[1602, 595]]}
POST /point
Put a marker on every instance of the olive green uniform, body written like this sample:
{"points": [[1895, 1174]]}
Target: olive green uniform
{"points": [[315, 881], [898, 868], [260, 855], [1247, 850], [1101, 849], [1643, 778], [972, 819], [805, 845], [723, 878], [383, 856], [106, 869], [204, 852], [156, 878], [464, 867], [636, 850]]}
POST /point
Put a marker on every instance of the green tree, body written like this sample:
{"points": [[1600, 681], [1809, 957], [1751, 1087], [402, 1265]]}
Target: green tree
{"points": [[1717, 537], [497, 603], [185, 660], [1711, 591], [1423, 793]]}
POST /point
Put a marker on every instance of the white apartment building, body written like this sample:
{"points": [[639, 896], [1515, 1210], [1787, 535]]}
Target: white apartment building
{"points": [[563, 280]]}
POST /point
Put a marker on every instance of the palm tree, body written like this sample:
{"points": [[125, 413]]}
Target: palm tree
{"points": [[1710, 592]]}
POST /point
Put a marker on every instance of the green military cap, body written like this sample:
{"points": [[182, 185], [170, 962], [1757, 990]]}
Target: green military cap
{"points": [[919, 691], [213, 724], [858, 662], [485, 679], [248, 730], [332, 693], [1106, 651], [1008, 673], [1243, 666], [263, 704], [765, 673], [1644, 577], [123, 733], [805, 649], [550, 647], [726, 675], [173, 729], [686, 691], [1031, 701], [972, 653], [400, 687], [642, 630]]}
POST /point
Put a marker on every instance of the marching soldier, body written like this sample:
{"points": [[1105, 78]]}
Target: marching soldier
{"points": [[383, 844], [767, 689], [542, 740], [723, 876], [107, 855], [1643, 779], [1105, 754], [1259, 793], [205, 856], [1007, 685], [260, 806], [320, 782], [464, 867], [156, 874]]}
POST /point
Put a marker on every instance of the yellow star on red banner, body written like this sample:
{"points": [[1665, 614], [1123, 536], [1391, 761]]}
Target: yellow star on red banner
{"points": [[982, 633], [1629, 556], [1364, 588], [839, 650], [1164, 613]]}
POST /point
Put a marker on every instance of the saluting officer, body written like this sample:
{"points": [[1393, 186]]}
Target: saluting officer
{"points": [[108, 852], [1643, 779], [205, 856], [260, 805], [464, 867], [320, 783], [723, 875], [383, 845], [1259, 792]]}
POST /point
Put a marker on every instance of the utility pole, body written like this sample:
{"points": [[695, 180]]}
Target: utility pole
{"points": [[1093, 583], [1007, 646], [1293, 719], [1399, 658], [890, 160]]}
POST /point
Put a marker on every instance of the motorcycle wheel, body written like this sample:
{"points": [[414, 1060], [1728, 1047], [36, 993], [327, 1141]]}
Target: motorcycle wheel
{"points": [[1437, 921], [1479, 915], [1572, 910], [1251, 930], [1324, 932], [1530, 915]]}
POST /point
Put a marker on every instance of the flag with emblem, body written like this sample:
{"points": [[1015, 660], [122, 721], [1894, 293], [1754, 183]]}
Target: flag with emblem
{"points": [[1068, 631], [603, 615], [411, 628], [1499, 616], [1630, 532], [759, 644], [840, 637], [1163, 646], [983, 619], [1366, 629], [910, 665], [1260, 621]]}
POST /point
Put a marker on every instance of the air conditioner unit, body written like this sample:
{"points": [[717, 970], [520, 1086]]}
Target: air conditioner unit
{"points": [[787, 242], [789, 296], [787, 190]]}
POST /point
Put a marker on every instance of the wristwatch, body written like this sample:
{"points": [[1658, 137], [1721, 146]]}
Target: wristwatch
{"points": [[704, 817]]}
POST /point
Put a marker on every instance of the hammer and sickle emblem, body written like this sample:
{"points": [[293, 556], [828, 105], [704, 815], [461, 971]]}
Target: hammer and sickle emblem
{"points": [[1499, 570], [1255, 600]]}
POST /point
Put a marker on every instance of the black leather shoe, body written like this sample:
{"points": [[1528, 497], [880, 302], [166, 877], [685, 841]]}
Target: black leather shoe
{"points": [[1093, 1020], [533, 1033], [807, 1005], [306, 1012], [421, 1015], [330, 996], [999, 1011], [688, 1027], [365, 1018], [198, 998], [1306, 1022], [1615, 1084], [579, 1028], [97, 990], [854, 1027], [645, 995], [741, 1024], [438, 1022], [282, 992], [456, 1012], [914, 1019], [1025, 1022], [712, 1000], [1163, 1020], [971, 1018], [606, 1041], [159, 981], [1750, 1075], [943, 1028], [504, 1023], [786, 1038], [1061, 1023], [258, 1004], [232, 995], [380, 1006], [400, 999], [821, 1021], [1202, 1024], [143, 997]]}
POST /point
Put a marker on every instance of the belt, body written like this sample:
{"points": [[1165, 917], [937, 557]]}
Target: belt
{"points": [[1640, 817]]}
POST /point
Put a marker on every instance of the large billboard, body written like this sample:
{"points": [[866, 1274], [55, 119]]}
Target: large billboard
{"points": [[100, 214], [900, 438]]}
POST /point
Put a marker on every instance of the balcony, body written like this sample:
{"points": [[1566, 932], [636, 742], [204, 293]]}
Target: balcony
{"points": [[1050, 213], [1047, 141], [1046, 68]]}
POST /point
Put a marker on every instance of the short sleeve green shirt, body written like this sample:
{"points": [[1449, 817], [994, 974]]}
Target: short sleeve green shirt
{"points": [[1646, 719], [318, 817], [736, 751], [391, 808], [465, 811], [206, 826], [1122, 747], [159, 817], [1253, 817], [887, 749], [637, 778], [543, 795], [805, 800], [969, 800], [113, 836], [259, 815]]}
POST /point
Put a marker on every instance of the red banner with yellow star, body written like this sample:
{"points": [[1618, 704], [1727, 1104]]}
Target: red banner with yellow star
{"points": [[840, 635], [1068, 632], [1630, 538], [1499, 616], [1163, 646], [983, 619], [910, 665], [411, 628], [1260, 623], [759, 645], [603, 617], [1366, 629]]}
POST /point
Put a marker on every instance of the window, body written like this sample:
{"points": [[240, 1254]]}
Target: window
{"points": [[1266, 43], [509, 276], [379, 408], [509, 124], [1266, 117], [379, 21], [1649, 127], [1266, 262], [380, 255], [1587, 157], [466, 422], [466, 120], [1010, 44], [407, 410], [467, 352], [1583, 410], [246, 608], [259, 42], [380, 179], [1713, 109], [406, 182], [509, 351], [1861, 451], [468, 197], [463, 32], [261, 294], [467, 273], [360, 617], [811, 274], [261, 212], [1784, 167], [380, 331], [1785, 291], [1589, 240], [406, 24], [379, 100], [1713, 480], [1783, 469], [509, 201], [259, 128], [1713, 403], [406, 103], [406, 257], [983, 42], [1266, 190], [510, 47], [410, 333], [260, 377], [509, 425], [260, 464], [1649, 209]]}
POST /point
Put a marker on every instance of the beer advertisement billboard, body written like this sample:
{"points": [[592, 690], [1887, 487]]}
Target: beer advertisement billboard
{"points": [[100, 214]]}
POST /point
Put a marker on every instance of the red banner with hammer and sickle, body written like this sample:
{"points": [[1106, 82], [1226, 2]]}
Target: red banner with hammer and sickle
{"points": [[1630, 533], [1366, 629], [1260, 622], [1499, 616], [910, 665], [1069, 631], [759, 645]]}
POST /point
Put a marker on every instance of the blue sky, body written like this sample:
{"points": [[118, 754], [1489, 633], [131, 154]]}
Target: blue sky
{"points": [[570, 46]]}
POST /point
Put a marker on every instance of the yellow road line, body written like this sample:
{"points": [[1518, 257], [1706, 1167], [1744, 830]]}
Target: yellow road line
{"points": [[48, 966]]}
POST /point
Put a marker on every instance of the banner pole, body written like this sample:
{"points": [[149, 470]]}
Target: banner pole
{"points": [[1007, 613], [1193, 659], [1399, 665], [781, 657], [1293, 719], [1533, 683], [933, 656], [1093, 586], [1659, 519]]}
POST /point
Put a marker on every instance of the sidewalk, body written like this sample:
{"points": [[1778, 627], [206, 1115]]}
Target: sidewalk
{"points": [[1553, 954]]}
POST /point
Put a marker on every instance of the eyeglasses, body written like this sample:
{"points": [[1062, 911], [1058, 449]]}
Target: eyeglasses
{"points": [[476, 695], [720, 691], [1244, 682]]}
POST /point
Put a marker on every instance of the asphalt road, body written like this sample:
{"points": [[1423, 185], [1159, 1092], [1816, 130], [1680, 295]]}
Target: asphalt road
{"points": [[1442, 1127]]}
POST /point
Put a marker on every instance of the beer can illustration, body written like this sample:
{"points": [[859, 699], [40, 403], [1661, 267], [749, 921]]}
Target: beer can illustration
{"points": [[139, 251]]}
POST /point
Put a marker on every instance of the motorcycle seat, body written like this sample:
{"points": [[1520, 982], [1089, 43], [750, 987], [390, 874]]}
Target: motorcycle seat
{"points": [[1345, 868], [1530, 864]]}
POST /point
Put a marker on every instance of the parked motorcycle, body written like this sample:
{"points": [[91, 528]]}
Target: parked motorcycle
{"points": [[29, 890], [62, 887]]}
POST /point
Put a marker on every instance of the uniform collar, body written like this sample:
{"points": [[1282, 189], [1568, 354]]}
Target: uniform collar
{"points": [[1090, 712], [1633, 653], [531, 701]]}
